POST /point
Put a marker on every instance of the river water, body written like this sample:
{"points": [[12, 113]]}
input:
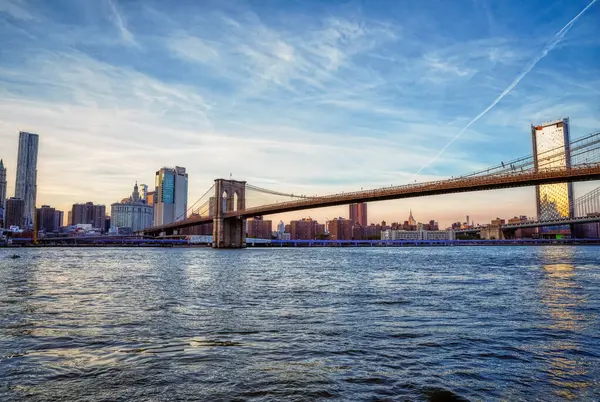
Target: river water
{"points": [[153, 324]]}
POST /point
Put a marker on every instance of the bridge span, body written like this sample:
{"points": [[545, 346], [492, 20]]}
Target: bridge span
{"points": [[228, 219]]}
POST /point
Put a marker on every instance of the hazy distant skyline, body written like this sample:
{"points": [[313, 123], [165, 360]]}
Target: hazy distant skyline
{"points": [[307, 96]]}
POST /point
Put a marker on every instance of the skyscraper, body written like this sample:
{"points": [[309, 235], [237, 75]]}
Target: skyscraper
{"points": [[170, 195], [26, 182], [358, 213], [2, 191], [551, 150]]}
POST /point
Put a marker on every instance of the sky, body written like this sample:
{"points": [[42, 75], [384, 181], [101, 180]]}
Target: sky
{"points": [[311, 97]]}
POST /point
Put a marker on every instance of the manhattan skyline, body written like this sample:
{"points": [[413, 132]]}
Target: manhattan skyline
{"points": [[309, 97]]}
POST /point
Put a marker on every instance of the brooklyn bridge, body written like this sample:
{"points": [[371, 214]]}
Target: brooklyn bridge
{"points": [[225, 206]]}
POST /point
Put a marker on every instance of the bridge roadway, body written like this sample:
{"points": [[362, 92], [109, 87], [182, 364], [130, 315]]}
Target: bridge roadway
{"points": [[583, 172]]}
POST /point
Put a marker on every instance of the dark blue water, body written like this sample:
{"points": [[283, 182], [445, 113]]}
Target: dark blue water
{"points": [[481, 323]]}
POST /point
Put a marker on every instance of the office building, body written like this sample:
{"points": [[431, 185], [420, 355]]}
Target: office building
{"points": [[551, 150], [259, 228], [49, 219], [281, 227], [14, 212], [170, 198], [2, 191], [132, 213], [358, 213], [88, 213], [26, 180]]}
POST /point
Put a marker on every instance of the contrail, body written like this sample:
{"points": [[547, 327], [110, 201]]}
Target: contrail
{"points": [[555, 40]]}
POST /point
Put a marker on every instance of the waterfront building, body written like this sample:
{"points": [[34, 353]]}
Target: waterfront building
{"points": [[340, 229], [358, 213], [305, 229], [438, 235], [259, 228], [26, 180], [416, 235], [524, 232], [88, 213], [170, 198], [551, 150], [59, 219], [49, 219], [133, 213], [284, 236], [2, 191], [14, 214]]}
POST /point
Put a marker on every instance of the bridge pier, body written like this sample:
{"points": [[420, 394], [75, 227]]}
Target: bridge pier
{"points": [[230, 196]]}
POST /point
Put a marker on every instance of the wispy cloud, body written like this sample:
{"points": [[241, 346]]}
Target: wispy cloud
{"points": [[555, 40], [16, 9], [120, 24], [344, 100]]}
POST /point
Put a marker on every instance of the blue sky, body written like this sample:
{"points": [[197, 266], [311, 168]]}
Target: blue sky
{"points": [[299, 96]]}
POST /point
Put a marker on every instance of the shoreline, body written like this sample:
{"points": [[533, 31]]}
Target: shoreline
{"points": [[352, 244]]}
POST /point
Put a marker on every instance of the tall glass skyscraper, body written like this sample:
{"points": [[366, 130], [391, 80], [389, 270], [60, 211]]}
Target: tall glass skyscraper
{"points": [[26, 183], [170, 195], [551, 150]]}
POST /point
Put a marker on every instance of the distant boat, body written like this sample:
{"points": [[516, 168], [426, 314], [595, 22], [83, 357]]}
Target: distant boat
{"points": [[15, 256]]}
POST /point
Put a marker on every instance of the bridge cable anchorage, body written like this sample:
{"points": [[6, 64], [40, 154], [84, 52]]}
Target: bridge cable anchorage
{"points": [[190, 209]]}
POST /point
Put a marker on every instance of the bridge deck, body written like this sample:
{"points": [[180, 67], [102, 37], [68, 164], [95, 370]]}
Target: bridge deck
{"points": [[459, 185]]}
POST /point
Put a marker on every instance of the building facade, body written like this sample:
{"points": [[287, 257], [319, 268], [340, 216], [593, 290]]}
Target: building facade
{"points": [[170, 196], [150, 198], [551, 150], [14, 212], [340, 229], [88, 213], [358, 213], [259, 228], [46, 219], [133, 213], [26, 181], [2, 191], [305, 229], [416, 235]]}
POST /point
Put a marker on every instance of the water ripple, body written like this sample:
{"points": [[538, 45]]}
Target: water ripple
{"points": [[425, 324]]}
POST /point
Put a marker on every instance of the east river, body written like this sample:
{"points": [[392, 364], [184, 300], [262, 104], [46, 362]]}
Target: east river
{"points": [[154, 324]]}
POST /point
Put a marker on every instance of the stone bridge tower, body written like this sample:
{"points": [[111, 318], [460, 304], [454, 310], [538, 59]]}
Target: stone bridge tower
{"points": [[230, 196]]}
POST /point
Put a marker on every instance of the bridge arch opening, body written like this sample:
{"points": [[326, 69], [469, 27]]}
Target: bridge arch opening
{"points": [[236, 201], [224, 200]]}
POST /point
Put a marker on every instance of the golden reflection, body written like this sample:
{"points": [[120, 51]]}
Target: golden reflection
{"points": [[560, 294]]}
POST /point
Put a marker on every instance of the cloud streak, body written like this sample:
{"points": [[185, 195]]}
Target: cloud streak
{"points": [[119, 21], [555, 41], [344, 100]]}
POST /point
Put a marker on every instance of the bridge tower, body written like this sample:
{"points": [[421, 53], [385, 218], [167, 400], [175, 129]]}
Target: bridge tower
{"points": [[230, 196]]}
